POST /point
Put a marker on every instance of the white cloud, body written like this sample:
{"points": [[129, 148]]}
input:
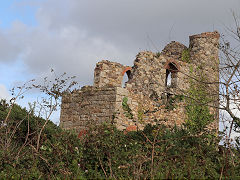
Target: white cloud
{"points": [[4, 94]]}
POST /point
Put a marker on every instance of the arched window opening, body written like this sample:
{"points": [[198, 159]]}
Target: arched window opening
{"points": [[171, 75], [168, 81], [126, 77]]}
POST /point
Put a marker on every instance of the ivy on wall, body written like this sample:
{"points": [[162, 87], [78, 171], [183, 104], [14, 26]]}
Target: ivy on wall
{"points": [[186, 55], [171, 102], [197, 109], [140, 113], [126, 108]]}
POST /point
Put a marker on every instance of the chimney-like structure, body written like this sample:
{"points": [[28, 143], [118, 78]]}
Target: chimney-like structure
{"points": [[204, 51]]}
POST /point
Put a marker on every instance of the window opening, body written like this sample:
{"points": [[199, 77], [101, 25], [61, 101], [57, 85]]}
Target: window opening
{"points": [[168, 78], [171, 76], [126, 77], [171, 79]]}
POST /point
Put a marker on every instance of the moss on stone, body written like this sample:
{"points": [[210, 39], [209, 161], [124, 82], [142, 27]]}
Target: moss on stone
{"points": [[186, 55], [140, 115], [158, 54]]}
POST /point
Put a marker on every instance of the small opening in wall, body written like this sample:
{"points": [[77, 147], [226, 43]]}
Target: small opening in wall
{"points": [[126, 77], [171, 76], [168, 78]]}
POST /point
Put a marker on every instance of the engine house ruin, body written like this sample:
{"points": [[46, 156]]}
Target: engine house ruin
{"points": [[156, 89]]}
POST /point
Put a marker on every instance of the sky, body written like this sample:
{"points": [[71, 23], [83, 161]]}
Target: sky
{"points": [[73, 35]]}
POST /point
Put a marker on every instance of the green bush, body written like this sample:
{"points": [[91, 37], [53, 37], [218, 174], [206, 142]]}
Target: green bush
{"points": [[157, 152], [58, 156]]}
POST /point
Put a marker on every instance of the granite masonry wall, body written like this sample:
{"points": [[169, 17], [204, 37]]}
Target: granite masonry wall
{"points": [[109, 73], [153, 92], [88, 106]]}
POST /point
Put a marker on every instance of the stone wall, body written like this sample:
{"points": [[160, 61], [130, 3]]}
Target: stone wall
{"points": [[204, 57], [149, 75], [88, 106], [174, 50], [153, 93], [125, 114], [109, 73], [92, 106]]}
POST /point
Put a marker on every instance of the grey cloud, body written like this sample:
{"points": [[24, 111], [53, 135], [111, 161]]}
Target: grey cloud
{"points": [[9, 50], [71, 36], [67, 50], [4, 92], [132, 19]]}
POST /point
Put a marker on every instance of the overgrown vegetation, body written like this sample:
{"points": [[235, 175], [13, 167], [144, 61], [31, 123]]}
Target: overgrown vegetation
{"points": [[105, 152], [158, 54], [186, 55], [57, 156], [156, 152], [140, 114], [172, 100], [126, 108], [197, 108]]}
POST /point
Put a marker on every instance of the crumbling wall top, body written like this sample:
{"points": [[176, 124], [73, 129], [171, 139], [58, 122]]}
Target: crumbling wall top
{"points": [[108, 63], [143, 57], [109, 73], [214, 34], [174, 50]]}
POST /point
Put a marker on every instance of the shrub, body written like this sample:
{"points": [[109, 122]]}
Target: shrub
{"points": [[59, 154]]}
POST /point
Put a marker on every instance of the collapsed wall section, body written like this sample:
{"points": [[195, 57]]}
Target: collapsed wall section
{"points": [[174, 50]]}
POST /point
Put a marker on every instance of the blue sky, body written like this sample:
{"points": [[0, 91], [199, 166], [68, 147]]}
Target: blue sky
{"points": [[10, 11], [73, 35], [13, 73]]}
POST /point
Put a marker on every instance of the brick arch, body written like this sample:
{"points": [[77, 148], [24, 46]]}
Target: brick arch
{"points": [[172, 61], [126, 69]]}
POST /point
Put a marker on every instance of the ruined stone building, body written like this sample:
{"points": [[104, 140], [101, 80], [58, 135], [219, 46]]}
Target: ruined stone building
{"points": [[153, 92]]}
